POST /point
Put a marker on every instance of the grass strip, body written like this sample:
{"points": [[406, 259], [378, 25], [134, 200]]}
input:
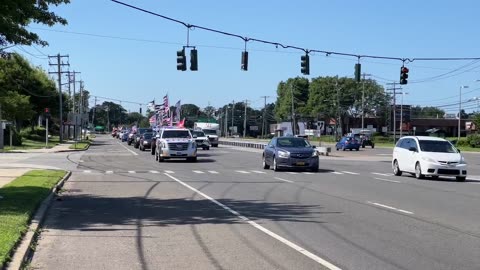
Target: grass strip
{"points": [[79, 146], [18, 202]]}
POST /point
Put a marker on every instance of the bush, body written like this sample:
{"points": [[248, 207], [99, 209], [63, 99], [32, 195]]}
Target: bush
{"points": [[383, 139], [463, 142], [38, 133], [473, 140]]}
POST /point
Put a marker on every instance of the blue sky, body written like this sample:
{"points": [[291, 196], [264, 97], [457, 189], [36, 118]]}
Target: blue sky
{"points": [[142, 70]]}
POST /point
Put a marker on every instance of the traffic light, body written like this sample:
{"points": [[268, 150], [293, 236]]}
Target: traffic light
{"points": [[181, 60], [47, 112], [140, 111], [305, 65], [403, 75], [358, 71], [244, 65], [193, 60]]}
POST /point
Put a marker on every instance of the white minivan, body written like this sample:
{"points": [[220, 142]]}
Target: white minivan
{"points": [[428, 156]]}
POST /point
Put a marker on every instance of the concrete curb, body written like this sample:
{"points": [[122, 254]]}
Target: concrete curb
{"points": [[24, 250]]}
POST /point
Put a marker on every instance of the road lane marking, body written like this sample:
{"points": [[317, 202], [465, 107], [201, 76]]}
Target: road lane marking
{"points": [[382, 174], [292, 172], [244, 172], [386, 180], [260, 172], [284, 180], [132, 172], [308, 173], [87, 171], [391, 208], [136, 154], [353, 173], [261, 228], [213, 172], [81, 160], [172, 172], [198, 172], [153, 171], [109, 172], [336, 172]]}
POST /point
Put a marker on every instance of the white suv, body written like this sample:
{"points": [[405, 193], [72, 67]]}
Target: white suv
{"points": [[428, 156], [175, 143]]}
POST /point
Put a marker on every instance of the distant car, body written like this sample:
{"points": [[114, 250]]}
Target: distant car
{"points": [[201, 139], [138, 134], [290, 152], [348, 143], [145, 141], [124, 135], [428, 156]]}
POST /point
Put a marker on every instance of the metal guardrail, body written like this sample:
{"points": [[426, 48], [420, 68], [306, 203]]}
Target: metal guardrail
{"points": [[243, 144]]}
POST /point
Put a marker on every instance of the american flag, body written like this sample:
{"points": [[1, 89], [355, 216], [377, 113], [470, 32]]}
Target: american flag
{"points": [[177, 111], [165, 104]]}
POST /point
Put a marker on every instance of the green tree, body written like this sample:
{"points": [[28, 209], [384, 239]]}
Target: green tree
{"points": [[432, 112], [189, 110], [476, 121], [135, 118], [16, 107], [293, 90], [16, 15]]}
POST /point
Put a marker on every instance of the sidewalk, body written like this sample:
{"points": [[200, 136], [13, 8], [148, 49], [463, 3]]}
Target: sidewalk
{"points": [[63, 147], [8, 175]]}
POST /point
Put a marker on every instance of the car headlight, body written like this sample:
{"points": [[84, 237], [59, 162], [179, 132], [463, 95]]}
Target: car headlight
{"points": [[283, 154], [462, 160], [429, 159], [315, 153]]}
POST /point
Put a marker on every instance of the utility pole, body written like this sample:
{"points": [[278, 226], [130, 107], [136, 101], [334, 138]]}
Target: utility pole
{"points": [[293, 111], [363, 99], [1, 128], [74, 81], [394, 89], [264, 115], [226, 122], [233, 113], [81, 106], [93, 114], [59, 73], [337, 122], [245, 119]]}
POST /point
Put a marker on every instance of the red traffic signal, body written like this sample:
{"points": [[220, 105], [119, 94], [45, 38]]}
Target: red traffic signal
{"points": [[405, 70], [404, 75], [47, 110]]}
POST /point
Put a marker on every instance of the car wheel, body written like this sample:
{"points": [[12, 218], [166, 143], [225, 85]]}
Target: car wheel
{"points": [[156, 157], [396, 168], [373, 145], [208, 148], [418, 171], [461, 178], [363, 145], [160, 159], [152, 151], [264, 163], [215, 145], [275, 165], [358, 149]]}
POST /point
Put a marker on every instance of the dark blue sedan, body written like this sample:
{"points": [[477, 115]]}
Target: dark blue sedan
{"points": [[290, 152], [348, 143]]}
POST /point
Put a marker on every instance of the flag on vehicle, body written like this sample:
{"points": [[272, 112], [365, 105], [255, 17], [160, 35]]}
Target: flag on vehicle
{"points": [[152, 119], [181, 123], [166, 107], [177, 111]]}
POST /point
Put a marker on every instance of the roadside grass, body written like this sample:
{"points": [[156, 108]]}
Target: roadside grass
{"points": [[79, 145], [32, 144], [18, 202]]}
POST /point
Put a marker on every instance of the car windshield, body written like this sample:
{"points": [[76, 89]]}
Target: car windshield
{"points": [[147, 136], [143, 130], [437, 146], [198, 133], [210, 131], [176, 134], [292, 142]]}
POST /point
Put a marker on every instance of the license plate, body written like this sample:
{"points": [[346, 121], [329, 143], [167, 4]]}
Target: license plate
{"points": [[179, 153], [301, 163]]}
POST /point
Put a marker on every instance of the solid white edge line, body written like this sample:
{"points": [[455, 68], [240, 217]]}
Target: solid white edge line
{"points": [[169, 171], [244, 172], [132, 172], [136, 154], [391, 208], [213, 172], [386, 180], [261, 228], [336, 172], [153, 171], [109, 172], [199, 172], [87, 171], [285, 180]]}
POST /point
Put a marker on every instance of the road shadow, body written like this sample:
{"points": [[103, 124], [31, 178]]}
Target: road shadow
{"points": [[85, 212]]}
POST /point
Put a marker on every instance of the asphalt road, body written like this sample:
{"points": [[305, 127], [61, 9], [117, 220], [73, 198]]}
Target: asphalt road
{"points": [[123, 210]]}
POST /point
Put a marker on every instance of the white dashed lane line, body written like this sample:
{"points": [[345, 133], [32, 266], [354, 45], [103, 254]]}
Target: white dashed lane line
{"points": [[213, 172], [109, 172], [353, 173], [170, 172], [132, 172], [382, 174], [199, 172], [284, 180], [387, 180], [336, 172], [259, 172], [87, 171], [244, 172], [390, 207]]}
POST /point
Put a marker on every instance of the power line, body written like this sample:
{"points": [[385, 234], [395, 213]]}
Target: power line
{"points": [[277, 44], [31, 54]]}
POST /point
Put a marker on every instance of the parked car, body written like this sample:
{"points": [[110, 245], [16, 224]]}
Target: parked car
{"points": [[201, 139], [428, 156], [290, 152], [145, 141], [348, 143], [124, 135]]}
